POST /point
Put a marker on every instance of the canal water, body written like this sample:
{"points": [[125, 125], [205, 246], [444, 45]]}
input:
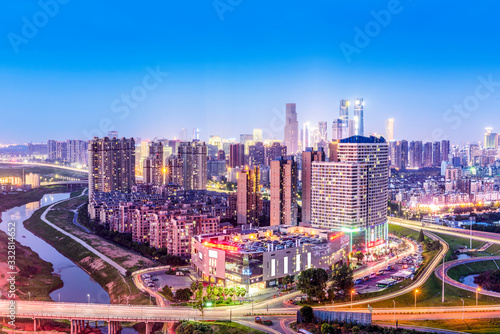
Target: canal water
{"points": [[469, 280], [78, 287]]}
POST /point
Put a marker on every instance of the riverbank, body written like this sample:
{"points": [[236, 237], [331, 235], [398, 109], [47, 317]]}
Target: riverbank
{"points": [[120, 289], [36, 279]]}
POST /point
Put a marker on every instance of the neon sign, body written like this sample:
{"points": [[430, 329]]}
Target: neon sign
{"points": [[375, 243], [220, 246]]}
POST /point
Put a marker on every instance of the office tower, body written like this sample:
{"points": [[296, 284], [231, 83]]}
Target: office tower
{"points": [[445, 150], [215, 141], [344, 110], [404, 154], [236, 155], [291, 129], [306, 135], [427, 159], [113, 134], [307, 158], [337, 129], [315, 137], [351, 194], [416, 154], [248, 197], [257, 135], [489, 138], [284, 191], [51, 150], [323, 131], [436, 154], [389, 129], [244, 138], [212, 151], [256, 154], [183, 136], [273, 152], [78, 152], [350, 128], [153, 172], [111, 164], [194, 165], [359, 129], [196, 134]]}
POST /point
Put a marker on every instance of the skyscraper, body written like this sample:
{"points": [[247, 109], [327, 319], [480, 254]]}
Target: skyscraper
{"points": [[257, 135], [359, 129], [236, 155], [389, 129], [436, 154], [337, 129], [350, 194], [153, 172], [284, 191], [404, 154], [248, 197], [427, 159], [111, 164], [416, 154], [323, 131], [445, 150], [274, 151], [344, 110], [306, 135], [307, 159], [256, 154], [291, 129], [489, 138], [194, 165]]}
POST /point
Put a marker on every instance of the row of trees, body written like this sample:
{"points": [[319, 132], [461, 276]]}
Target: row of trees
{"points": [[313, 282]]}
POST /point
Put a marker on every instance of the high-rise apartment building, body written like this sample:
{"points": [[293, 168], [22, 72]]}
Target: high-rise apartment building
{"points": [[359, 129], [307, 159], [389, 129], [248, 197], [416, 154], [153, 172], [274, 151], [436, 154], [445, 150], [111, 164], [284, 191], [404, 154], [236, 155], [291, 129], [350, 194], [256, 154], [78, 152], [489, 138], [427, 159], [194, 165]]}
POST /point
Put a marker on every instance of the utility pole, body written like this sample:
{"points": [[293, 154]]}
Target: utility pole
{"points": [[442, 298]]}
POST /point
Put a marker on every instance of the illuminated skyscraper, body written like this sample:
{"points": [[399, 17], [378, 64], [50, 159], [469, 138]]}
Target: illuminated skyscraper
{"points": [[389, 129], [489, 138], [359, 129], [291, 129], [307, 159], [257, 135], [323, 131], [344, 110], [306, 135], [194, 165], [248, 197]]}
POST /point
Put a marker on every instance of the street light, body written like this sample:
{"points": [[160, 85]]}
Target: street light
{"points": [[352, 293], [394, 309], [29, 296], [477, 293], [416, 291], [88, 297], [442, 298], [463, 308]]}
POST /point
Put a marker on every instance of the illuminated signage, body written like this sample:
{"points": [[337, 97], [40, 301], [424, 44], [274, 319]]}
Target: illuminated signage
{"points": [[221, 246], [375, 243]]}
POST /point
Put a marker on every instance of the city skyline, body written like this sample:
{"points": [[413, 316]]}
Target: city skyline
{"points": [[217, 69]]}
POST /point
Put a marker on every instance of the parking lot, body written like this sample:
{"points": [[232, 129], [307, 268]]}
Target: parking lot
{"points": [[156, 280], [384, 277]]}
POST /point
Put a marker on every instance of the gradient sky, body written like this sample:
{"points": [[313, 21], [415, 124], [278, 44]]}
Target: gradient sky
{"points": [[229, 76]]}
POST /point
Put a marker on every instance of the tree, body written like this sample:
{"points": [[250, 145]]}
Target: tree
{"points": [[167, 293], [421, 236], [360, 256], [287, 280], [183, 295], [342, 279], [313, 283], [307, 314]]}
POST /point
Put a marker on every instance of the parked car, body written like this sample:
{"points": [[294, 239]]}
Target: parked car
{"points": [[358, 281], [373, 275], [380, 272]]}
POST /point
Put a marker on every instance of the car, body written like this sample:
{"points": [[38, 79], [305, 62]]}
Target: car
{"points": [[380, 272], [366, 278], [358, 281], [373, 275], [151, 285], [389, 268]]}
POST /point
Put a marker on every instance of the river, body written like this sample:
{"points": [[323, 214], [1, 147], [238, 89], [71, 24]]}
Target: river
{"points": [[78, 287]]}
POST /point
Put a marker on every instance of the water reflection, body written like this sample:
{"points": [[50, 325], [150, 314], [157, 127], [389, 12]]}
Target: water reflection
{"points": [[78, 285]]}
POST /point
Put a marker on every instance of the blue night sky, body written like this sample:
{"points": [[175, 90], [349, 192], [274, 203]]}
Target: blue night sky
{"points": [[68, 78]]}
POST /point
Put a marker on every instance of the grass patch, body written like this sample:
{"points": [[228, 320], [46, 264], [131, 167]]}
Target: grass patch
{"points": [[456, 242], [222, 327], [430, 295], [104, 274], [471, 268], [402, 231], [493, 249], [476, 326]]}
